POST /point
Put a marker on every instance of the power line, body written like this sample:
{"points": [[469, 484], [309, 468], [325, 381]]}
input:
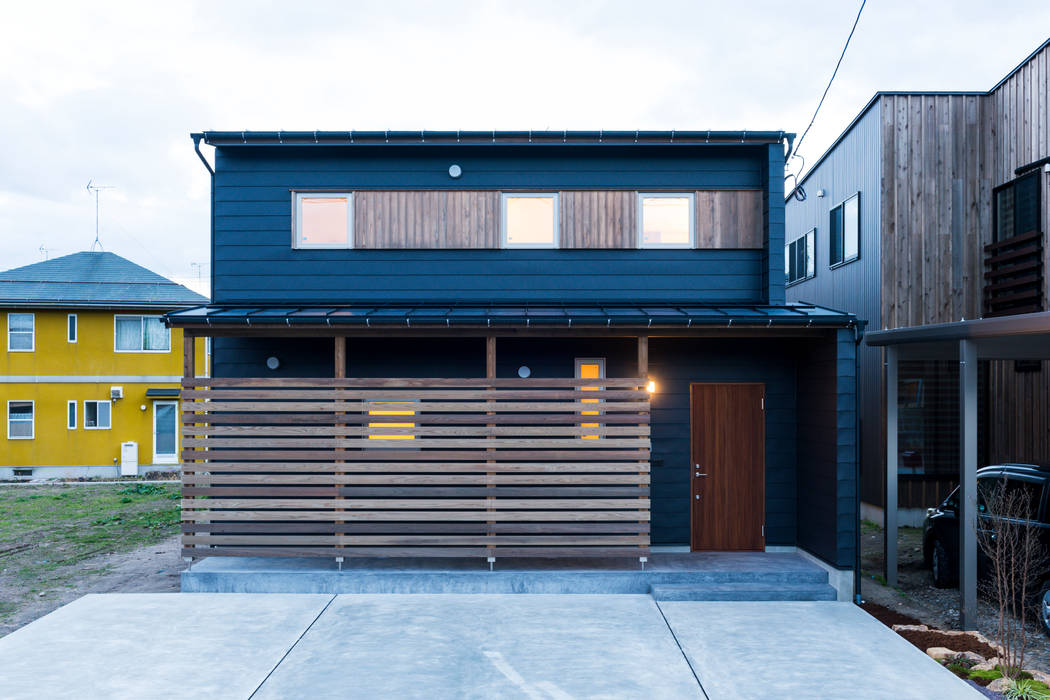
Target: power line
{"points": [[798, 146]]}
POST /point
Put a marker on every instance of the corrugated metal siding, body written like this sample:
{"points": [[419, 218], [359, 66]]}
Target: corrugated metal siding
{"points": [[854, 166], [254, 261]]}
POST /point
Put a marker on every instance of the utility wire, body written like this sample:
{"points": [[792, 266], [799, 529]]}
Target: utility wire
{"points": [[794, 153]]}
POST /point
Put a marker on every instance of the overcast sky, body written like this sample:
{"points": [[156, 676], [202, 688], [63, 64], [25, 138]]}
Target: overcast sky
{"points": [[110, 91]]}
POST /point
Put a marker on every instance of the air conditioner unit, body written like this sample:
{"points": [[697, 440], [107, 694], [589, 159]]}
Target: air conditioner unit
{"points": [[116, 392]]}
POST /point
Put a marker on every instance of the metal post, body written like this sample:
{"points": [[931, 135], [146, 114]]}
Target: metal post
{"points": [[890, 533], [968, 484]]}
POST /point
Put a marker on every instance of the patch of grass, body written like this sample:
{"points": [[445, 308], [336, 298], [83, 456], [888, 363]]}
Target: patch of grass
{"points": [[870, 527], [987, 675]]}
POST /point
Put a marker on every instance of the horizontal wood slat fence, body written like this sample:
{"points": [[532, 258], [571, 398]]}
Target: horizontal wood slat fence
{"points": [[415, 467]]}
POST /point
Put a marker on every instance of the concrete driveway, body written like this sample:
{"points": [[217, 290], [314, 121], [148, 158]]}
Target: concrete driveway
{"points": [[461, 646]]}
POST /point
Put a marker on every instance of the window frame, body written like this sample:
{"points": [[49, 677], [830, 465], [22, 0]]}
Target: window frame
{"points": [[1012, 186], [32, 333], [72, 324], [142, 333], [297, 219], [32, 420], [810, 237], [556, 239], [109, 426], [578, 363], [832, 264], [71, 415], [640, 198]]}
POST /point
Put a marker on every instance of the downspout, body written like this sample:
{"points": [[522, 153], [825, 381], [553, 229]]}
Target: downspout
{"points": [[858, 337], [211, 242]]}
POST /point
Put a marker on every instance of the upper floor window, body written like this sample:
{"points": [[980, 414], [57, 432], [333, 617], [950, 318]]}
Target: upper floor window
{"points": [[141, 334], [20, 332], [666, 220], [1017, 207], [71, 328], [844, 230], [324, 220], [800, 259], [530, 220], [19, 420]]}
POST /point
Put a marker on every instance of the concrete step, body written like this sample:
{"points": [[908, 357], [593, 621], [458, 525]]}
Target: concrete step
{"points": [[743, 591]]}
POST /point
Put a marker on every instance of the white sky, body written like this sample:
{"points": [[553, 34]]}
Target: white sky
{"points": [[110, 91]]}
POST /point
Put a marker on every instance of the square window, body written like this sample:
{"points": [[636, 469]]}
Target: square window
{"points": [[530, 220], [141, 334], [666, 221], [97, 415], [844, 232], [19, 420], [71, 328], [323, 220], [20, 332]]}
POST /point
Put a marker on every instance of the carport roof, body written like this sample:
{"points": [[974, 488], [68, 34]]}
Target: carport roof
{"points": [[1020, 337], [514, 315]]}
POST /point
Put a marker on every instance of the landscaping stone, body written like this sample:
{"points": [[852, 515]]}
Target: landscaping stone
{"points": [[1041, 676], [987, 665], [939, 653], [971, 656], [999, 685], [909, 628]]}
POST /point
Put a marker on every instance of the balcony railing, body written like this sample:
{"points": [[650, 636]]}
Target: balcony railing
{"points": [[1013, 277]]}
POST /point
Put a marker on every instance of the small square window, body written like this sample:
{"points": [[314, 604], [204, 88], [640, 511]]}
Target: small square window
{"points": [[71, 328], [530, 220], [97, 415], [844, 232], [71, 415], [323, 220], [19, 420], [666, 220], [20, 332]]}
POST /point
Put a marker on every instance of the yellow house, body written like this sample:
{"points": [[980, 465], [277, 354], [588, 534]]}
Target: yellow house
{"points": [[89, 373]]}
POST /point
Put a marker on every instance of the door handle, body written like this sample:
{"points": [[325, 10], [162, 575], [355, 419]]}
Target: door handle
{"points": [[699, 474]]}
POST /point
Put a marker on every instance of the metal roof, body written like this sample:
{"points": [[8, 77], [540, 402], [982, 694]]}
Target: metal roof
{"points": [[485, 138], [1018, 337], [514, 315], [92, 279]]}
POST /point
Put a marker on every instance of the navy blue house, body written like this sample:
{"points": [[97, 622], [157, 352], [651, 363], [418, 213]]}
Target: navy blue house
{"points": [[651, 263]]}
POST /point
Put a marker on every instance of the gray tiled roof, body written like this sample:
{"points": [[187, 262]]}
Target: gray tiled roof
{"points": [[92, 279]]}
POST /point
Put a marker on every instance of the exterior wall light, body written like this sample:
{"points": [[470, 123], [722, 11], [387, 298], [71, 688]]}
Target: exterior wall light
{"points": [[524, 372], [454, 171], [650, 386], [272, 362]]}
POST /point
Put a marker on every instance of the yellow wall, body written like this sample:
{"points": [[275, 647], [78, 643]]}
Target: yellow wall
{"points": [[47, 376]]}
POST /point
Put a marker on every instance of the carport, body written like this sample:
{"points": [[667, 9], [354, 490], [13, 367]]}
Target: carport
{"points": [[1020, 337]]}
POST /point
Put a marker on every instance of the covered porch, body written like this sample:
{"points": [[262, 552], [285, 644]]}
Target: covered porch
{"points": [[430, 432]]}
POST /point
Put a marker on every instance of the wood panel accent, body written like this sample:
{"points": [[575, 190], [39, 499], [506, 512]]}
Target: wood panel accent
{"points": [[426, 219], [510, 477], [598, 219], [727, 426], [729, 219]]}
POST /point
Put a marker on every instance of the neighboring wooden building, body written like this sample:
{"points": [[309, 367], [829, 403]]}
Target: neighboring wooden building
{"points": [[88, 365], [950, 193], [512, 344]]}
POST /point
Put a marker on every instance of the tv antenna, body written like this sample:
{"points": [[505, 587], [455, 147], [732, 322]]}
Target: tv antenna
{"points": [[93, 188], [44, 251]]}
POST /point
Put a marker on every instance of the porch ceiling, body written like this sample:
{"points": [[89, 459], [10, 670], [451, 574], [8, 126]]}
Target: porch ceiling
{"points": [[546, 315]]}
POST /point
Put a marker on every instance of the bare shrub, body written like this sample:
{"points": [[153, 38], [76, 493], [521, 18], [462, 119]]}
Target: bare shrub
{"points": [[1008, 536]]}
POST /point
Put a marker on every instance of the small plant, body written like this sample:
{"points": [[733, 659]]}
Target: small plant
{"points": [[1027, 689], [960, 660], [143, 490]]}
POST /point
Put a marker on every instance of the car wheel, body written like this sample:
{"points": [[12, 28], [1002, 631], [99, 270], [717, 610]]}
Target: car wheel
{"points": [[1043, 610], [941, 565]]}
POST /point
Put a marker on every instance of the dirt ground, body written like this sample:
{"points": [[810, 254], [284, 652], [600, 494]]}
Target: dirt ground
{"points": [[916, 595]]}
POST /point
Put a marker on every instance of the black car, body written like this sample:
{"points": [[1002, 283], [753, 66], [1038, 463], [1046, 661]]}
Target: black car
{"points": [[940, 534]]}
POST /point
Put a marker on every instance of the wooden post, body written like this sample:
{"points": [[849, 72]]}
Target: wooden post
{"points": [[189, 362], [490, 374], [643, 374], [339, 360]]}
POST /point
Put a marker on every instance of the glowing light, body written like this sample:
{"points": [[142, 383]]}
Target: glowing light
{"points": [[651, 386]]}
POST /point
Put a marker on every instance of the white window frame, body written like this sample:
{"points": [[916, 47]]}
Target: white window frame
{"points": [[504, 243], [172, 458], [142, 335], [98, 427], [32, 334], [71, 415], [810, 237], [32, 420], [297, 216], [72, 324], [640, 223]]}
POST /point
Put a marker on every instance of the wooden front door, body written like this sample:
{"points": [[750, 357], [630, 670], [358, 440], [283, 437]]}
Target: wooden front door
{"points": [[727, 436]]}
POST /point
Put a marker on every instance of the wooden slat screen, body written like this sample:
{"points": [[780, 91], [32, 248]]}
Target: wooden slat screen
{"points": [[480, 467]]}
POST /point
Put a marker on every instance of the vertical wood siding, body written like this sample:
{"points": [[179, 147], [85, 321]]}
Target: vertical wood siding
{"points": [[729, 219], [426, 219], [597, 219]]}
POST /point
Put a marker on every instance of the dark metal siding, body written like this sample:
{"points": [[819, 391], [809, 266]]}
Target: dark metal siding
{"points": [[255, 263], [854, 166]]}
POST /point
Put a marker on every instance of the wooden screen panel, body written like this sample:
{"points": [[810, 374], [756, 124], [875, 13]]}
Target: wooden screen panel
{"points": [[426, 219], [297, 467], [729, 219], [599, 219]]}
